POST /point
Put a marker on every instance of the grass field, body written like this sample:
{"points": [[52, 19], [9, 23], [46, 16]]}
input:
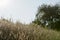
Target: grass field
{"points": [[18, 31]]}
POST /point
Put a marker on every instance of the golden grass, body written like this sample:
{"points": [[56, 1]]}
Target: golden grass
{"points": [[18, 31]]}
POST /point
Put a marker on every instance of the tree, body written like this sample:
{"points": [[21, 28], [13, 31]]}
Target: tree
{"points": [[49, 16]]}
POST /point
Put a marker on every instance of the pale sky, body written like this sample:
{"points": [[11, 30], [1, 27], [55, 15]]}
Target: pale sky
{"points": [[22, 10]]}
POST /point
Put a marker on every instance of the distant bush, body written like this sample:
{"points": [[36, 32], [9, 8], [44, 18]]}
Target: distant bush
{"points": [[48, 16]]}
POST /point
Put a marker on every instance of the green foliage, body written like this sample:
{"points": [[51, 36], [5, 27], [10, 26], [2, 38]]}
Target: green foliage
{"points": [[37, 22], [49, 16]]}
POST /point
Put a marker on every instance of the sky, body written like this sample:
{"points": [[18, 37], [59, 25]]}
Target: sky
{"points": [[22, 10]]}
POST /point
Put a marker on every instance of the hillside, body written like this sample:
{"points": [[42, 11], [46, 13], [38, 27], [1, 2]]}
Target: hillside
{"points": [[18, 31]]}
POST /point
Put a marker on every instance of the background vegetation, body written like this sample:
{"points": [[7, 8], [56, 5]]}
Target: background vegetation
{"points": [[48, 16]]}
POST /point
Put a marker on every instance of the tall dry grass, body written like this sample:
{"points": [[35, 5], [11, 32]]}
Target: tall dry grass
{"points": [[18, 31]]}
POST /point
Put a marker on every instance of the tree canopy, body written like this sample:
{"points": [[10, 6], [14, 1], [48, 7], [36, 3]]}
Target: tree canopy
{"points": [[48, 16]]}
